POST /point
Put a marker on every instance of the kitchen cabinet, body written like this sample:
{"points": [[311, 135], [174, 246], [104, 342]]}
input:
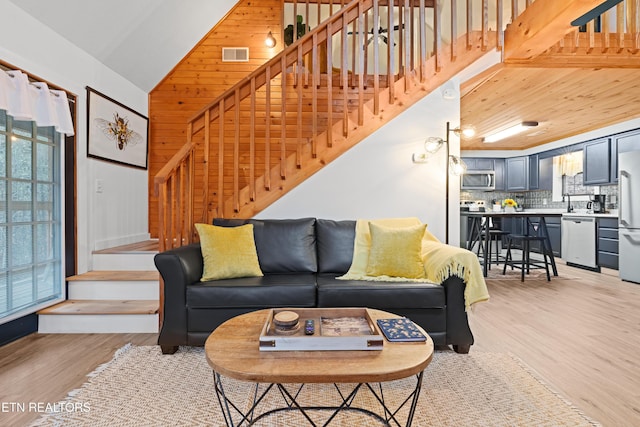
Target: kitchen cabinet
{"points": [[622, 143], [479, 163], [597, 162], [608, 243], [517, 173], [534, 172], [498, 167], [545, 174]]}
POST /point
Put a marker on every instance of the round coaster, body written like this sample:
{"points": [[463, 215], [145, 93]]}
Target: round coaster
{"points": [[287, 330], [286, 318]]}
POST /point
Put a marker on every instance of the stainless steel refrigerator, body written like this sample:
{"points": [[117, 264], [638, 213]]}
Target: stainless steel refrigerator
{"points": [[629, 216]]}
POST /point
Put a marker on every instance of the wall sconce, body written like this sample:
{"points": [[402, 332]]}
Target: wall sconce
{"points": [[270, 41], [455, 165]]}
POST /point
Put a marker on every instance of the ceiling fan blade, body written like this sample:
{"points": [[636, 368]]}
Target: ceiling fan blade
{"points": [[594, 13]]}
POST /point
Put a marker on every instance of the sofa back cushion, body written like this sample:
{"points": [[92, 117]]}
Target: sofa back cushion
{"points": [[283, 245], [335, 245]]}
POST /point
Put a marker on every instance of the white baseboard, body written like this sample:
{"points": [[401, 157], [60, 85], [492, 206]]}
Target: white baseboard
{"points": [[119, 241]]}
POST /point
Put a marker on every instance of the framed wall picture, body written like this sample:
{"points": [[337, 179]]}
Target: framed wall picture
{"points": [[116, 133]]}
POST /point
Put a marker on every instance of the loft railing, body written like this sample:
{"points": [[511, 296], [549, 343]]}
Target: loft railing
{"points": [[310, 98]]}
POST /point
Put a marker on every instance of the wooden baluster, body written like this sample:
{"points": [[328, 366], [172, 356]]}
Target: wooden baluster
{"points": [[406, 30], [361, 48], [306, 24], [633, 9], [470, 23], [365, 47], [190, 184], [422, 40], [345, 79], [180, 197], [390, 54], [236, 152], [437, 35], [267, 130], [283, 119], [454, 30], [500, 25], [605, 32], [376, 58], [299, 111], [401, 45], [221, 112], [252, 141], [329, 84], [174, 209], [591, 34], [314, 95], [514, 10], [354, 50], [620, 26], [485, 25]]}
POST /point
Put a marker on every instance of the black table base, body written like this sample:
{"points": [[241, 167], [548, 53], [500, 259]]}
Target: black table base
{"points": [[235, 417]]}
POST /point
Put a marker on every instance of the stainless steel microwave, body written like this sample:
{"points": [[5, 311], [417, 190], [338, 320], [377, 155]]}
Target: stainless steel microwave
{"points": [[478, 180]]}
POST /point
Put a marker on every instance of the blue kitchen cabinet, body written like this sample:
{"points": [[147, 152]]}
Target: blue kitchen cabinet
{"points": [[517, 173], [597, 162]]}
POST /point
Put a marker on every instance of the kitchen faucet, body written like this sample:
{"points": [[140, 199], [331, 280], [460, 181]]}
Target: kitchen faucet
{"points": [[569, 207]]}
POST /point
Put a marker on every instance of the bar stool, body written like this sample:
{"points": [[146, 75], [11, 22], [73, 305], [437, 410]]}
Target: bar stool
{"points": [[525, 262], [495, 235]]}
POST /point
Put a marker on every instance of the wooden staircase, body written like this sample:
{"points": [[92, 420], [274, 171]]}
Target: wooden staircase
{"points": [[290, 117], [110, 300]]}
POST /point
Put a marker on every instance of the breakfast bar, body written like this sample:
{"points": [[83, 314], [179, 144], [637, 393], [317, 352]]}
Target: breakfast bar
{"points": [[478, 233]]}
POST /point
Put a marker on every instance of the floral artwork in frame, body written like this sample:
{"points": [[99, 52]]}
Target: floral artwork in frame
{"points": [[116, 133]]}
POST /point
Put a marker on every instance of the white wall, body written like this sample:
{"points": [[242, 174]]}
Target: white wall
{"points": [[119, 214], [377, 179]]}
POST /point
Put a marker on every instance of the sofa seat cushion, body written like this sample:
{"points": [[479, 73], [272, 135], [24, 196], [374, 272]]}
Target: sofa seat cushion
{"points": [[272, 290], [381, 295]]}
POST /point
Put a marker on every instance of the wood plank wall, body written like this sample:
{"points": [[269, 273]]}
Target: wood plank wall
{"points": [[201, 76]]}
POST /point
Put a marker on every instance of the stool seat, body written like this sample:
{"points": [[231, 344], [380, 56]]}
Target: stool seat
{"points": [[525, 262]]}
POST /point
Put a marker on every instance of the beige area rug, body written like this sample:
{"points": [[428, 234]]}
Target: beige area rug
{"points": [[142, 387]]}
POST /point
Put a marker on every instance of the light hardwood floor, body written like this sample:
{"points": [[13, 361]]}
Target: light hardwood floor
{"points": [[580, 333]]}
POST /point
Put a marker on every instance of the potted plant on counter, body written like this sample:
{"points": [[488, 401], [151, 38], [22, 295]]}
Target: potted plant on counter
{"points": [[509, 205]]}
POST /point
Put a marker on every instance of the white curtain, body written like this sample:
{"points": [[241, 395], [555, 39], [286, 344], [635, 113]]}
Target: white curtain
{"points": [[34, 101]]}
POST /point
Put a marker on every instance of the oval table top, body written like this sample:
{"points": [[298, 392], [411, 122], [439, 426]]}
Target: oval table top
{"points": [[232, 350]]}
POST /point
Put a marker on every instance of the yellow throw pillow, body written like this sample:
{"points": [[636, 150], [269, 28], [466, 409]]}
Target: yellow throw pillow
{"points": [[228, 252], [396, 252]]}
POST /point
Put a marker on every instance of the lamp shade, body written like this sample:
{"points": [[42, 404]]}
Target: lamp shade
{"points": [[433, 144]]}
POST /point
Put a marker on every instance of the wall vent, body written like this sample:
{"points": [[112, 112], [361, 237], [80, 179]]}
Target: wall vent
{"points": [[235, 54]]}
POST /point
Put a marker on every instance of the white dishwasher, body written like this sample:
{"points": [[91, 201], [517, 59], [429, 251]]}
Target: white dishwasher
{"points": [[579, 241]]}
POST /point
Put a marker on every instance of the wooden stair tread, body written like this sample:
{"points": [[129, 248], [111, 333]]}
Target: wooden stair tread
{"points": [[138, 247], [103, 307], [115, 275]]}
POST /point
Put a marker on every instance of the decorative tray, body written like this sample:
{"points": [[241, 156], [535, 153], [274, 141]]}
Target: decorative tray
{"points": [[334, 329]]}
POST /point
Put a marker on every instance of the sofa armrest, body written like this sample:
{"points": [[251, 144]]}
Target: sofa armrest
{"points": [[458, 331], [178, 267]]}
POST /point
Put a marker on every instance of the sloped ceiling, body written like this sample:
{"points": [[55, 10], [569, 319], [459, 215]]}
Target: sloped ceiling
{"points": [[142, 40]]}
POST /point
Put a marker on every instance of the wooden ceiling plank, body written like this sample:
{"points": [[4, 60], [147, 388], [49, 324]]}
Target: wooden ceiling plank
{"points": [[541, 25]]}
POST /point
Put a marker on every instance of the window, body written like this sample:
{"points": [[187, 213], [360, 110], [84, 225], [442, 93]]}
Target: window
{"points": [[30, 216]]}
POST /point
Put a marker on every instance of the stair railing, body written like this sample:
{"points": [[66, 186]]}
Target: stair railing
{"points": [[310, 97]]}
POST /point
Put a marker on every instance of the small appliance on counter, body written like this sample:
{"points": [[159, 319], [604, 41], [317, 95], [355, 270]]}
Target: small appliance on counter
{"points": [[597, 203], [472, 205]]}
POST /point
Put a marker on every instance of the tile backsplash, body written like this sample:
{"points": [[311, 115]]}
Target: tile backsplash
{"points": [[537, 199]]}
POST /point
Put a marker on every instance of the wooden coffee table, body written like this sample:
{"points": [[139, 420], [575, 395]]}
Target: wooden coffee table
{"points": [[232, 351]]}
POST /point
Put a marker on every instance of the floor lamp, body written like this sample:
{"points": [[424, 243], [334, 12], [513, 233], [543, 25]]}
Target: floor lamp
{"points": [[454, 164]]}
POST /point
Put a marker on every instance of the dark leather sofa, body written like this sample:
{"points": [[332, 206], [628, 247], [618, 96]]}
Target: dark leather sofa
{"points": [[300, 260]]}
